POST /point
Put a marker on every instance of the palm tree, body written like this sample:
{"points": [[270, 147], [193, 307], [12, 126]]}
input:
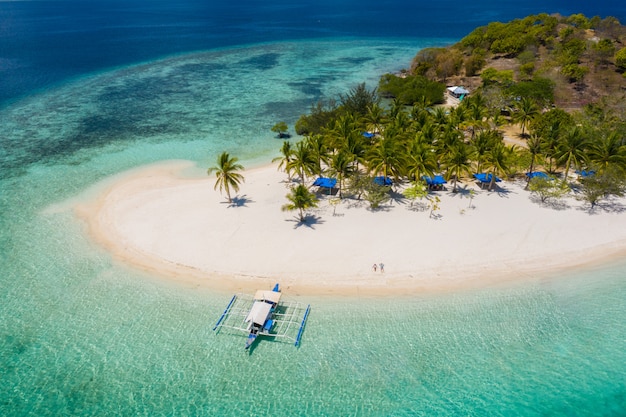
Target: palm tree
{"points": [[341, 165], [226, 174], [319, 151], [386, 157], [342, 131], [457, 163], [571, 149], [421, 158], [440, 116], [481, 144], [303, 161], [550, 139], [375, 118], [286, 154], [476, 115], [610, 150], [301, 199], [527, 110], [497, 161], [535, 149]]}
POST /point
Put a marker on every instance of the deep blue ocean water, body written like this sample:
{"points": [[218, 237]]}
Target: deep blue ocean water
{"points": [[89, 89]]}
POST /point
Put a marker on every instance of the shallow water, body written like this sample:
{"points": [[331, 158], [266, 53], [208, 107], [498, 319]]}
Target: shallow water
{"points": [[80, 335]]}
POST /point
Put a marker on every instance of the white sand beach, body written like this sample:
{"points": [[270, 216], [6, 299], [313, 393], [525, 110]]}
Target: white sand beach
{"points": [[180, 228]]}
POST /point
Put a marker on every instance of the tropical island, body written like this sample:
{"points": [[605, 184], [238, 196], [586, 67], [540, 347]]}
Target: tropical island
{"points": [[522, 174]]}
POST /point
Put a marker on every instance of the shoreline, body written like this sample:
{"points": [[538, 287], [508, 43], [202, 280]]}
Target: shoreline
{"points": [[158, 221]]}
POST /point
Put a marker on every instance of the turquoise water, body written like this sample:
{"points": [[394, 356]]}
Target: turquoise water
{"points": [[80, 335]]}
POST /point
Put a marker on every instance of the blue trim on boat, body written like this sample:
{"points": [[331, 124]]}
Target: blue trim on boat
{"points": [[250, 340], [306, 314], [232, 300]]}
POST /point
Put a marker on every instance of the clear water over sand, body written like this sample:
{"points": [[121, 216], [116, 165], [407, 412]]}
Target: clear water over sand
{"points": [[81, 335]]}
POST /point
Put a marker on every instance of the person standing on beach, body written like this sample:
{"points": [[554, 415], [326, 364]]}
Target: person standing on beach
{"points": [[382, 267], [374, 267]]}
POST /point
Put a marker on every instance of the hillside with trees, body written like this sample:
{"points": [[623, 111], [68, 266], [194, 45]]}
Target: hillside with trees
{"points": [[559, 81]]}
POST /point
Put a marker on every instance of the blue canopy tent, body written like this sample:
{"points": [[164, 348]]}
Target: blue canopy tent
{"points": [[368, 135], [434, 183], [436, 180], [538, 174], [584, 173], [485, 179], [386, 181], [328, 183], [325, 182]]}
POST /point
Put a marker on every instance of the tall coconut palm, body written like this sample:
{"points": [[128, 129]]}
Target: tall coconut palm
{"points": [[226, 174], [476, 115], [535, 149], [440, 116], [286, 152], [303, 161], [319, 152], [342, 130], [497, 162], [421, 159], [447, 138], [301, 199], [457, 163], [481, 144], [609, 150], [572, 149], [526, 111], [375, 118], [386, 157], [341, 165], [550, 138]]}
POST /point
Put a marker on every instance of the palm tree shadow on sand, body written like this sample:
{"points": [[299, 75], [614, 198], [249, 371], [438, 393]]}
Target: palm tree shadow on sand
{"points": [[239, 201], [309, 220]]}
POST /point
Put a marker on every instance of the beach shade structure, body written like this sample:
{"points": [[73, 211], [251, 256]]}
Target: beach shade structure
{"points": [[485, 179], [328, 183], [386, 181], [434, 183], [325, 182], [586, 173], [538, 174], [368, 135]]}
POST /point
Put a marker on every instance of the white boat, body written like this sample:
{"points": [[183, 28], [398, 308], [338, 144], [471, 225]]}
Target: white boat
{"points": [[259, 318]]}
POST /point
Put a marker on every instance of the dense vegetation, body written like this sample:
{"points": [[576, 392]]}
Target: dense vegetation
{"points": [[357, 138], [567, 61]]}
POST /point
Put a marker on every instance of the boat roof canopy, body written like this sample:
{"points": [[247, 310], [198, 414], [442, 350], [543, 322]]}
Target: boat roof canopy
{"points": [[266, 295], [258, 313]]}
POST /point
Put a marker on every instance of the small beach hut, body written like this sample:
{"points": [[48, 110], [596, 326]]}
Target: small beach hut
{"points": [[457, 92]]}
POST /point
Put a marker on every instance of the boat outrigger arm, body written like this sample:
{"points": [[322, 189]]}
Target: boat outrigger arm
{"points": [[264, 315]]}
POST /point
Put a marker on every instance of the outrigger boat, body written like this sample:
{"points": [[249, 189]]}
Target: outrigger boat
{"points": [[264, 315], [259, 318]]}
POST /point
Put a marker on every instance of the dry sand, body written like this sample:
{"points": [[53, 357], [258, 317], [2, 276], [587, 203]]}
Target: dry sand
{"points": [[154, 219]]}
